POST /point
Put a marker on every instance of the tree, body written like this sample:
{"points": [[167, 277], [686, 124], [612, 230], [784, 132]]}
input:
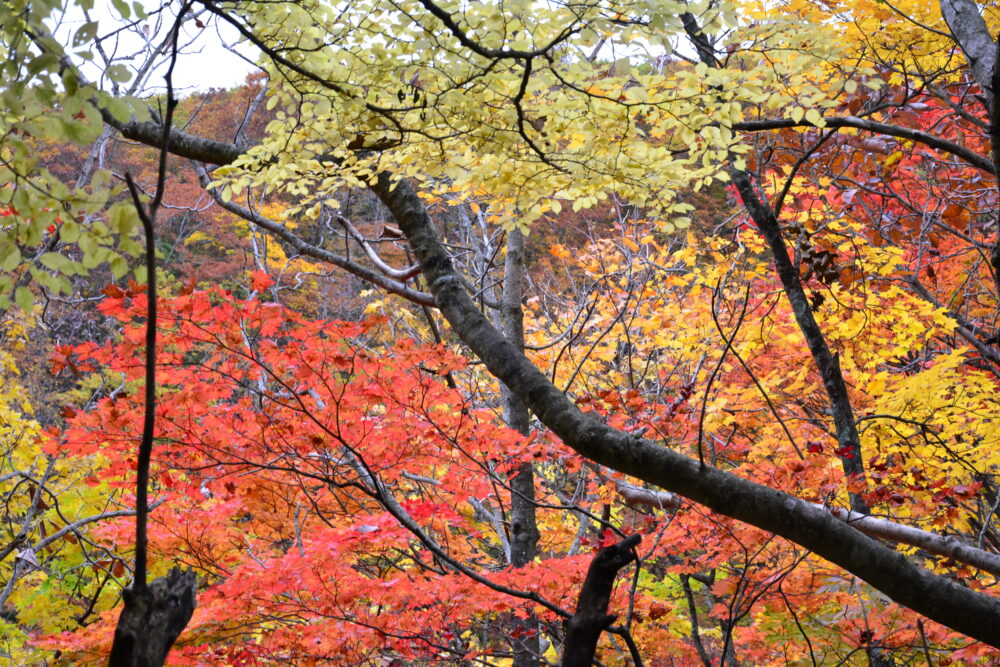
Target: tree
{"points": [[474, 98]]}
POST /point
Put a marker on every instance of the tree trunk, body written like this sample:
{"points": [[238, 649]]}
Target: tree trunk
{"points": [[591, 618], [152, 619], [524, 533], [971, 612]]}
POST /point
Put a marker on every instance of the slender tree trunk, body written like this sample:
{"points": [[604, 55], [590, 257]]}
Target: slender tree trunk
{"points": [[154, 614], [699, 646], [523, 526]]}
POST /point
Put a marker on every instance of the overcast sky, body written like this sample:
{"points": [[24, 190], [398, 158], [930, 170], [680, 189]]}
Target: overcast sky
{"points": [[205, 61]]}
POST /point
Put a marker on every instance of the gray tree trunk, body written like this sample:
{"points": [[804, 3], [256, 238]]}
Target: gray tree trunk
{"points": [[524, 533], [942, 600]]}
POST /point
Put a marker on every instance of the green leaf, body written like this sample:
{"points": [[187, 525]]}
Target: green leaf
{"points": [[130, 246], [122, 218], [88, 244], [90, 261], [24, 298], [122, 8], [63, 285], [119, 266], [53, 260], [11, 257], [814, 117], [43, 278], [44, 61], [70, 231], [100, 181], [85, 35], [119, 109], [139, 109], [118, 73]]}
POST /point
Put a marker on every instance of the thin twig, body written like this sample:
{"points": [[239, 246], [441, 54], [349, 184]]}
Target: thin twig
{"points": [[715, 371], [148, 218]]}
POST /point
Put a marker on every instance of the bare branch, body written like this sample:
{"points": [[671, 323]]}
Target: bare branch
{"points": [[930, 140], [309, 250], [398, 274]]}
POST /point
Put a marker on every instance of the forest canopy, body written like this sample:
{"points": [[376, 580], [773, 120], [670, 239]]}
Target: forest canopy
{"points": [[500, 333]]}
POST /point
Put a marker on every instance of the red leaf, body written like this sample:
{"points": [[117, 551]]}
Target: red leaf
{"points": [[135, 288], [114, 291], [260, 281], [189, 286]]}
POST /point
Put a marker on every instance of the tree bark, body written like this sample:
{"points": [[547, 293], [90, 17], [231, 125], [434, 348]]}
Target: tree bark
{"points": [[524, 538], [938, 598], [523, 526], [591, 617], [885, 129], [848, 440], [983, 55], [152, 619], [970, 32]]}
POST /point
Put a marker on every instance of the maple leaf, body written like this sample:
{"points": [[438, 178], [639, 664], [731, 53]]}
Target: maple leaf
{"points": [[260, 281]]}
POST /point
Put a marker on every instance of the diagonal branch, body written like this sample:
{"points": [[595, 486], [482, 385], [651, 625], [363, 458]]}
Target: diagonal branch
{"points": [[182, 144], [883, 529], [477, 48], [930, 140], [398, 274], [309, 250], [938, 598]]}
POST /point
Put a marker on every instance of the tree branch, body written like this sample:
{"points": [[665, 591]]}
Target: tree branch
{"points": [[380, 264], [309, 250], [591, 617], [479, 49], [884, 529], [970, 612], [972, 157]]}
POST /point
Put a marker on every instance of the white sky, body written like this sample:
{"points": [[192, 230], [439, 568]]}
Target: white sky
{"points": [[205, 61], [208, 58]]}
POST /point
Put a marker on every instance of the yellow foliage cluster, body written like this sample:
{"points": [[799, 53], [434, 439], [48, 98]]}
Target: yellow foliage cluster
{"points": [[649, 326]]}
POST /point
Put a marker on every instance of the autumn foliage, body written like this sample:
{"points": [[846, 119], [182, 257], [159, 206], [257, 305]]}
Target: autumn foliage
{"points": [[326, 481], [768, 256]]}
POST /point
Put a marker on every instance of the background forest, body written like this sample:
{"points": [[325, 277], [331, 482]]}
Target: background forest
{"points": [[371, 357]]}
